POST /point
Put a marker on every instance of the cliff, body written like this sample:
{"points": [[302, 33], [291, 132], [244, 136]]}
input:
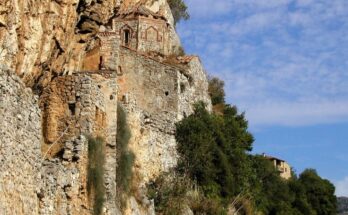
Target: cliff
{"points": [[66, 65], [342, 203]]}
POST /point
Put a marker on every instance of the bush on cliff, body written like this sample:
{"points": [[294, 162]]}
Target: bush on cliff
{"points": [[179, 10], [95, 173], [216, 90], [173, 193], [125, 158], [213, 151]]}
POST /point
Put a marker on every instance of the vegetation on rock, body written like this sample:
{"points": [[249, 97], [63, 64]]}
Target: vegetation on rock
{"points": [[216, 90], [125, 158], [95, 173], [173, 194], [179, 10], [214, 153]]}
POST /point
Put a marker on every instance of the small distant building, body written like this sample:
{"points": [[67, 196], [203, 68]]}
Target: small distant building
{"points": [[282, 166]]}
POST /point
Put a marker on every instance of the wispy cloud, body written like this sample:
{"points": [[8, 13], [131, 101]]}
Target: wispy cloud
{"points": [[284, 61], [342, 187], [297, 113]]}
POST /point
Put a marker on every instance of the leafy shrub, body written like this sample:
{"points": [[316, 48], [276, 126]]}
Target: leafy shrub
{"points": [[309, 194], [125, 158], [213, 151], [179, 10], [95, 173], [173, 193], [207, 206], [320, 193], [216, 90], [168, 192]]}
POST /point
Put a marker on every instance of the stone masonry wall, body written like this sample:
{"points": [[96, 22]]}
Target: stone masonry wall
{"points": [[156, 95], [64, 181], [152, 35], [108, 50], [120, 25], [82, 103], [193, 87], [20, 140]]}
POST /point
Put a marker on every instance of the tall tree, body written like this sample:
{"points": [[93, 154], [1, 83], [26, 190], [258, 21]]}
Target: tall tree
{"points": [[213, 151], [320, 192]]}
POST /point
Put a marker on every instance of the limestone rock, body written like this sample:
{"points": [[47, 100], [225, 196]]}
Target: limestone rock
{"points": [[82, 57], [20, 142]]}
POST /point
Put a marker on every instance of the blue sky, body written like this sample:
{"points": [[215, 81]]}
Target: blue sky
{"points": [[285, 63]]}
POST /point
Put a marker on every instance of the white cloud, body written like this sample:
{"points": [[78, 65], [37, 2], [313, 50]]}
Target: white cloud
{"points": [[256, 22], [296, 113], [342, 187], [283, 61], [207, 8]]}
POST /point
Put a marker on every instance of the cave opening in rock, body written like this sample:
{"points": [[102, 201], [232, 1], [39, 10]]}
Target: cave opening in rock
{"points": [[72, 108]]}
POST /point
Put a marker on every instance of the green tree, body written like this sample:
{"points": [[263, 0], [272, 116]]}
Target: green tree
{"points": [[179, 10], [320, 192], [213, 151], [272, 194], [216, 90], [300, 202]]}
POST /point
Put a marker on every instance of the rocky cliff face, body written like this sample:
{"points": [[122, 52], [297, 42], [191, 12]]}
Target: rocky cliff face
{"points": [[80, 58], [39, 39], [20, 143]]}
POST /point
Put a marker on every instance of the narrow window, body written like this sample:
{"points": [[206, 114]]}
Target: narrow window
{"points": [[182, 87], [119, 72], [126, 37], [72, 109], [101, 63]]}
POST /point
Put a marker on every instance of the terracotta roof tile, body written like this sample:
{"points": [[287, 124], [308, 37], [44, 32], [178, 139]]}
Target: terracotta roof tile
{"points": [[185, 59], [138, 9]]}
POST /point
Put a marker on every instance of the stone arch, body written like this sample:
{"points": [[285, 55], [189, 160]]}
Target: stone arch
{"points": [[126, 33], [151, 34]]}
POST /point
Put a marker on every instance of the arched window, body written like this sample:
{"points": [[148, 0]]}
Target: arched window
{"points": [[126, 36]]}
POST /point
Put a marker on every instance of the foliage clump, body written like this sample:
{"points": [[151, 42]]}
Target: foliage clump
{"points": [[168, 192], [125, 158], [173, 193], [307, 194], [216, 90], [95, 173], [179, 10], [214, 152]]}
